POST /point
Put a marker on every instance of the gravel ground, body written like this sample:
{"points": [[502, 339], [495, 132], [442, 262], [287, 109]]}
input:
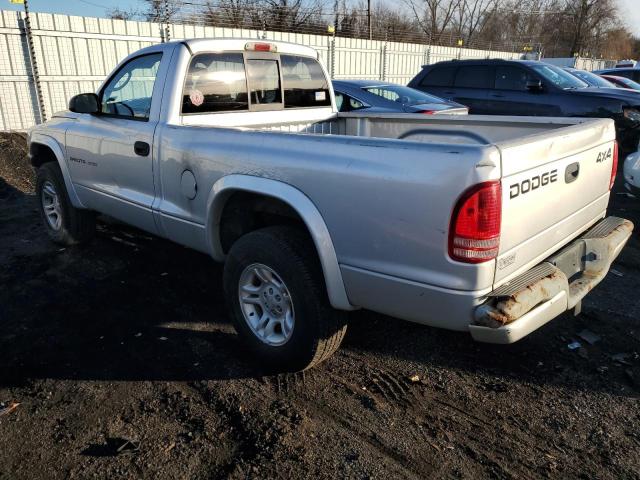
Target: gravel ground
{"points": [[124, 363]]}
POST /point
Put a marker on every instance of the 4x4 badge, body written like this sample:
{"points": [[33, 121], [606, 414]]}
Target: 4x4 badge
{"points": [[604, 155]]}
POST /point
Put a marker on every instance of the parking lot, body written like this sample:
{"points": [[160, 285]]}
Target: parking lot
{"points": [[124, 365]]}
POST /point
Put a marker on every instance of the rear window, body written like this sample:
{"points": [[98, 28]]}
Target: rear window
{"points": [[402, 94], [474, 77], [264, 79], [305, 84], [439, 77], [216, 82]]}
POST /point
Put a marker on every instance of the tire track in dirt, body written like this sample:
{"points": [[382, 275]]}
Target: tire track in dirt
{"points": [[416, 399]]}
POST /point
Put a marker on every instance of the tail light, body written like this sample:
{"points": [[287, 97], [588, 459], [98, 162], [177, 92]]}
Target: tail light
{"points": [[614, 165], [260, 47], [426, 112], [474, 233]]}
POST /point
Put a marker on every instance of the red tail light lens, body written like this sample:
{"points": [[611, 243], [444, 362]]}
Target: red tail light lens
{"points": [[614, 166], [260, 47], [427, 112], [474, 233]]}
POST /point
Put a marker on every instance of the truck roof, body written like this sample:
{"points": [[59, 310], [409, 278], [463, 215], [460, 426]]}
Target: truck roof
{"points": [[199, 45]]}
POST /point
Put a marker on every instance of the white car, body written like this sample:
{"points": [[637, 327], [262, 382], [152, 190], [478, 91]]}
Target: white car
{"points": [[632, 173]]}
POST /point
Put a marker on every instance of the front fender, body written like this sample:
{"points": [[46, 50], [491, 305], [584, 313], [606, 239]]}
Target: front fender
{"points": [[54, 146], [229, 184]]}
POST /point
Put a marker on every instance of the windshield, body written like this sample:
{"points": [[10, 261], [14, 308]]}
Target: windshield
{"points": [[629, 83], [403, 95], [559, 77], [592, 79]]}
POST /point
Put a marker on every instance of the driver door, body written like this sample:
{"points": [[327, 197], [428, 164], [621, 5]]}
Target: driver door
{"points": [[510, 95], [110, 154]]}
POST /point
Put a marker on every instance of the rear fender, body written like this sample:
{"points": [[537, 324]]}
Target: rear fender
{"points": [[297, 200]]}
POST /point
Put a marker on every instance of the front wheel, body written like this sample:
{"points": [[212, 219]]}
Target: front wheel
{"points": [[65, 224], [279, 306]]}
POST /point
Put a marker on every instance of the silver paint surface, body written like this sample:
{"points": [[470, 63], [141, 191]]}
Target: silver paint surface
{"points": [[375, 190]]}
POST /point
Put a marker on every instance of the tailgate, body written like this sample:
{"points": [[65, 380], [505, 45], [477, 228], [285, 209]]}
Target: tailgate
{"points": [[554, 186]]}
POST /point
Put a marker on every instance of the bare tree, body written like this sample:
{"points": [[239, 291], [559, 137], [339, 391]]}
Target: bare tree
{"points": [[434, 16], [472, 16]]}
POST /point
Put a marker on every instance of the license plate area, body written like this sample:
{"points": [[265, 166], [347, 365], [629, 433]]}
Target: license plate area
{"points": [[572, 259]]}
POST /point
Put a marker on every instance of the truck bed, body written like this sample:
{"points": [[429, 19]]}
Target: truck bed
{"points": [[520, 149], [455, 129]]}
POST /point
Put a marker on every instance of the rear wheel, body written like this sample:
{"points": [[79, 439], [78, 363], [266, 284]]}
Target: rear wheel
{"points": [[65, 224], [279, 306]]}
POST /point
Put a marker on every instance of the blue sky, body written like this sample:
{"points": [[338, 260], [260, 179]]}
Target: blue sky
{"points": [[629, 9], [88, 8]]}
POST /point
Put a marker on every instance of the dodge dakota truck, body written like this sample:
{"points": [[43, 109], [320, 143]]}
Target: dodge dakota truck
{"points": [[484, 224]]}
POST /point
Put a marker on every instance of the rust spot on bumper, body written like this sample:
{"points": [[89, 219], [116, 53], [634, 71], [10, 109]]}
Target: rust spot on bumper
{"points": [[515, 306]]}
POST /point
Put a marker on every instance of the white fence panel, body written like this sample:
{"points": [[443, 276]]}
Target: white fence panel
{"points": [[74, 54]]}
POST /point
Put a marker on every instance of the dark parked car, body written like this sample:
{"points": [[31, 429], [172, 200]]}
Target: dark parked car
{"points": [[527, 87], [622, 82], [377, 96], [632, 73]]}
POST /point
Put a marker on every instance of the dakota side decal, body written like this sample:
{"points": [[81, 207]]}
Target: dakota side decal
{"points": [[533, 183], [82, 161]]}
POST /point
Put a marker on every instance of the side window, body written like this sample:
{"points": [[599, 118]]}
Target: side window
{"points": [[439, 77], [385, 93], [264, 81], [216, 82], [475, 76], [339, 101], [511, 78], [345, 103], [624, 73], [128, 93], [305, 84]]}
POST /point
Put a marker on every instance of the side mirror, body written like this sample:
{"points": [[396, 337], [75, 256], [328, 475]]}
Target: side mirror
{"points": [[85, 103], [534, 85]]}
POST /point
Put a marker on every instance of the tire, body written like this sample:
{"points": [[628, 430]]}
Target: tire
{"points": [[317, 329], [65, 224]]}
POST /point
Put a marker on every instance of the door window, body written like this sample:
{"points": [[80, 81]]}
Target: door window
{"points": [[128, 93], [623, 73], [511, 78], [216, 82], [439, 77], [474, 76]]}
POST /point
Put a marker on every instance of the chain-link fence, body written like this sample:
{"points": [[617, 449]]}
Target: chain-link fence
{"points": [[73, 55], [398, 25]]}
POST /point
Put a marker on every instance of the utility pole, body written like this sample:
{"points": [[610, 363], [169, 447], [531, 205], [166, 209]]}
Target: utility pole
{"points": [[369, 20], [35, 75]]}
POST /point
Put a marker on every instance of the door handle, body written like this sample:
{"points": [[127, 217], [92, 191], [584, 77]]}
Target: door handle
{"points": [[142, 148]]}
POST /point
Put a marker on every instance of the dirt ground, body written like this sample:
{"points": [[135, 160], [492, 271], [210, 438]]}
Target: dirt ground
{"points": [[124, 363]]}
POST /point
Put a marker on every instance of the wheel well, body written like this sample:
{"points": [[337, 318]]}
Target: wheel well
{"points": [[245, 212], [41, 154]]}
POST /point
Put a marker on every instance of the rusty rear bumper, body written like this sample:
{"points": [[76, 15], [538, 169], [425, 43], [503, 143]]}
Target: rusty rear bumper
{"points": [[556, 285]]}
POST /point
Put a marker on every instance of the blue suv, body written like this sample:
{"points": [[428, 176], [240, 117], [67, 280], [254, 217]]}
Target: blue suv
{"points": [[527, 87]]}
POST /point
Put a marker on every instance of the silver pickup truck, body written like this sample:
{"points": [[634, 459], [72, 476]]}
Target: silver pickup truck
{"points": [[490, 225]]}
